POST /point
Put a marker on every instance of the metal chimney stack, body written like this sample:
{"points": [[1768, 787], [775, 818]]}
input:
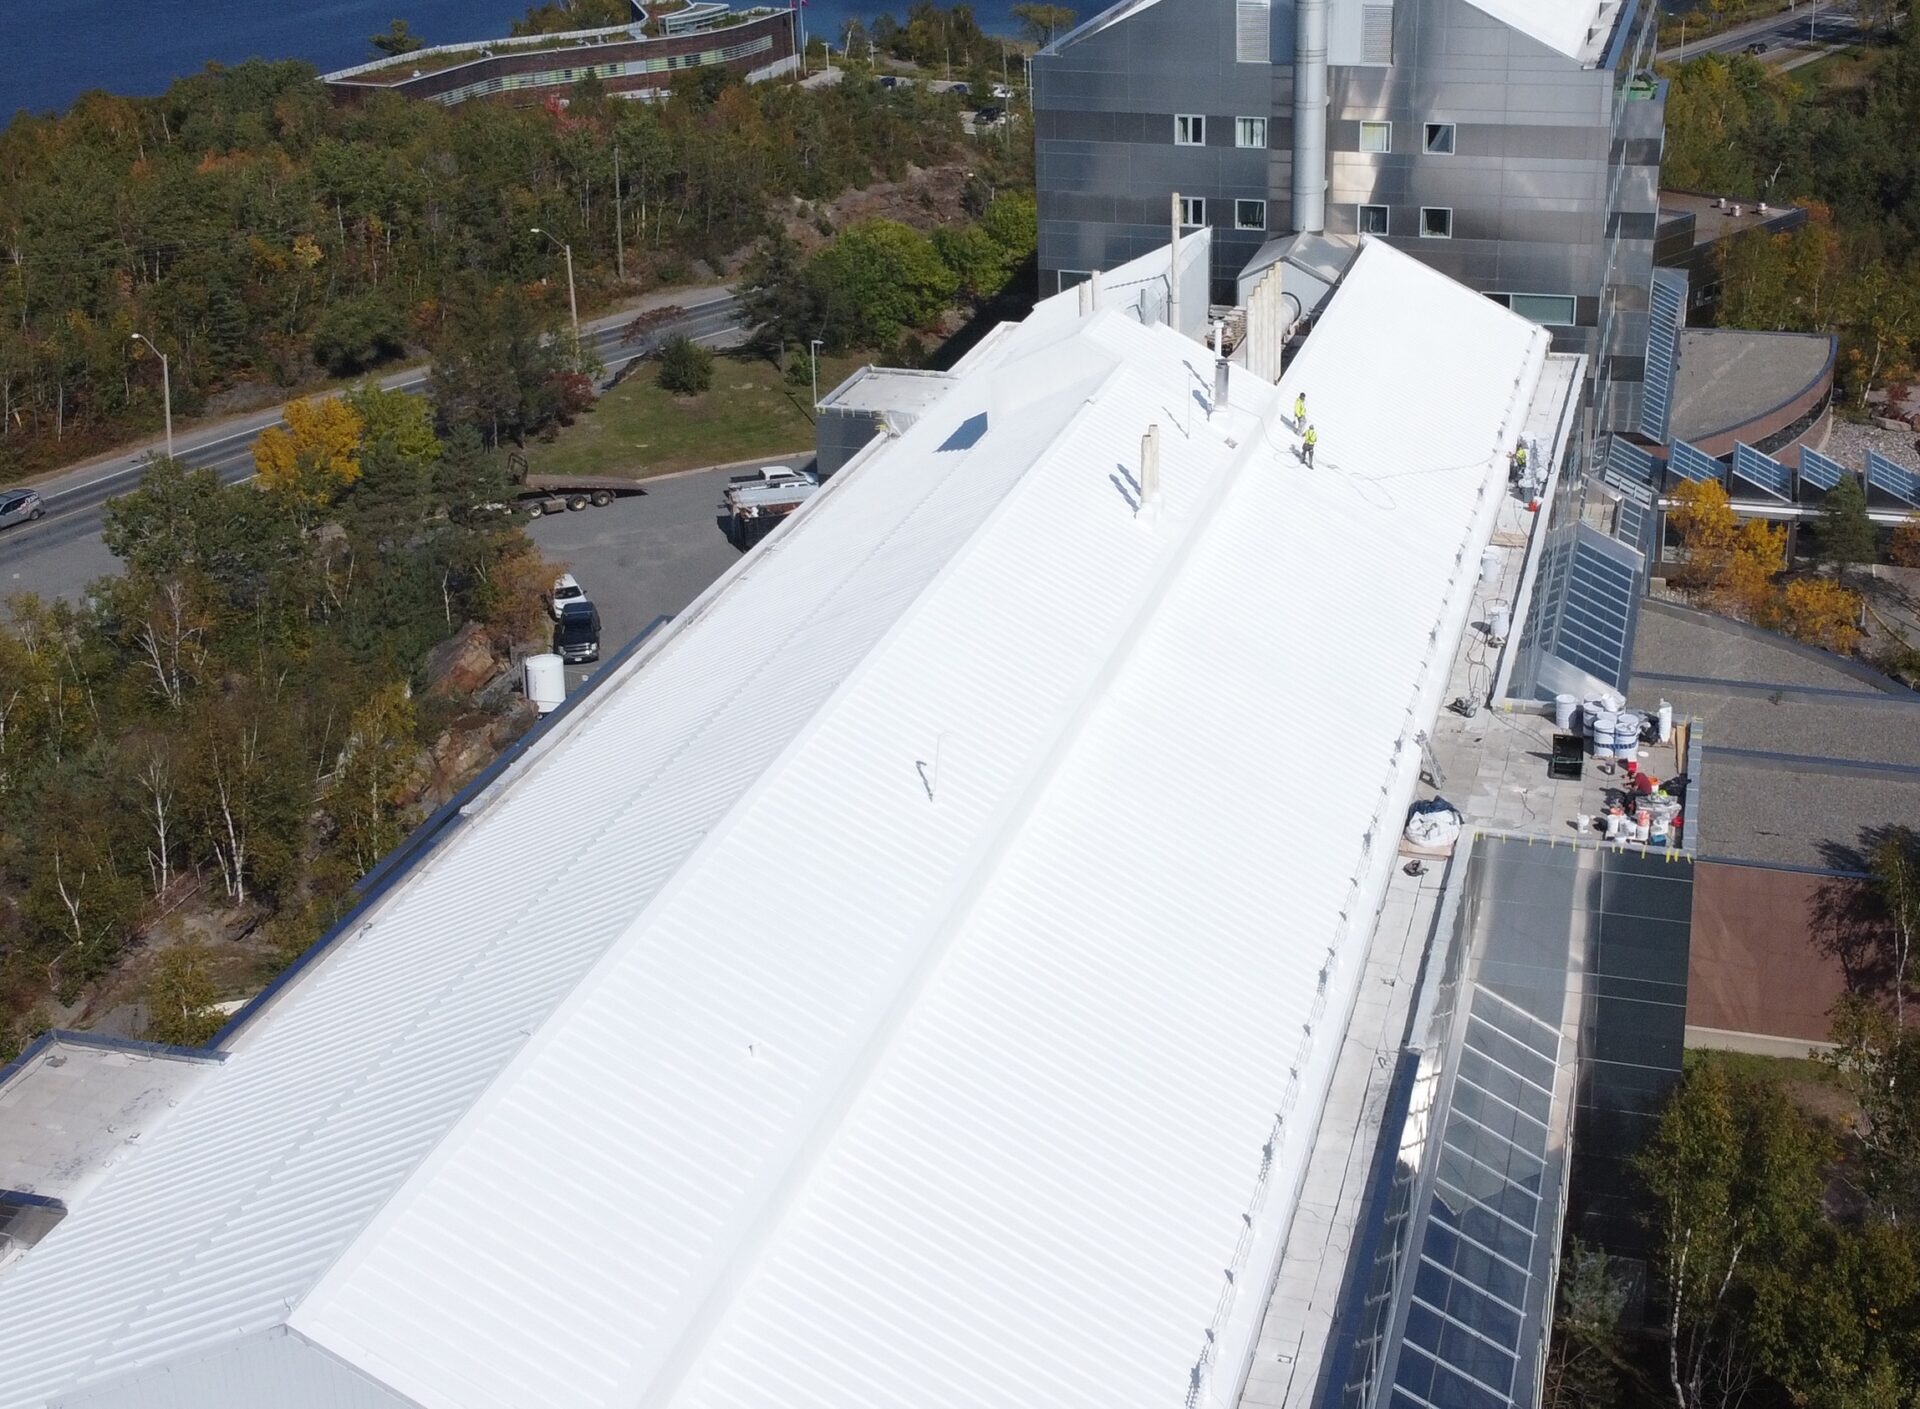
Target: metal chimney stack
{"points": [[1150, 466], [1310, 116]]}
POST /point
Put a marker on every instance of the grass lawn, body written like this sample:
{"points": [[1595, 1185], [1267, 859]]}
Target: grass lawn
{"points": [[638, 429], [1848, 69]]}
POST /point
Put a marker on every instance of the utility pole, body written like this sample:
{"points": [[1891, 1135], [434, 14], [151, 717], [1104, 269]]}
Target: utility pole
{"points": [[166, 386], [573, 304], [619, 222], [813, 366]]}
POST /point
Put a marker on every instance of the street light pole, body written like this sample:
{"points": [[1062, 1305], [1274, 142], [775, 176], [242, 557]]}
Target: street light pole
{"points": [[166, 386], [573, 304], [813, 367]]}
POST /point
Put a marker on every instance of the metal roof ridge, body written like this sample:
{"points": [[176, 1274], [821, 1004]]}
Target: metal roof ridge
{"points": [[554, 1025], [960, 898]]}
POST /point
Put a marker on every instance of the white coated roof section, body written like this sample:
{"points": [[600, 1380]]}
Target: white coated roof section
{"points": [[1576, 28], [946, 927]]}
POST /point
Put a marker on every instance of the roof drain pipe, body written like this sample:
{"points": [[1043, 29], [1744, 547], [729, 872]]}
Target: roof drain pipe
{"points": [[1310, 116], [1173, 269]]}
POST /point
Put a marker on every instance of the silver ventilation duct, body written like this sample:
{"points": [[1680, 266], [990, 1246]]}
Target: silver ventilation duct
{"points": [[1310, 116]]}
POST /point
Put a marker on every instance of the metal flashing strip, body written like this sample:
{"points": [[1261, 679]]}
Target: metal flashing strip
{"points": [[130, 1045], [1819, 470], [1895, 481], [1763, 472], [1813, 763], [1804, 694], [1690, 462]]}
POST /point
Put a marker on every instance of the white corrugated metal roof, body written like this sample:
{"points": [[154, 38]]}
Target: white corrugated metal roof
{"points": [[1569, 26], [957, 898]]}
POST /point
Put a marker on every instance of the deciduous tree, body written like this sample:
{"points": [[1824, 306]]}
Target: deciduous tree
{"points": [[181, 996], [1734, 1170], [1821, 612], [316, 456]]}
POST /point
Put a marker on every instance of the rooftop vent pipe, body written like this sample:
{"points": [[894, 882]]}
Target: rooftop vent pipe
{"points": [[1310, 116], [1173, 269], [1220, 366], [1150, 465]]}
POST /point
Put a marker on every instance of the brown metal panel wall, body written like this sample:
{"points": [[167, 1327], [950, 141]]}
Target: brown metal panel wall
{"points": [[1764, 957]]}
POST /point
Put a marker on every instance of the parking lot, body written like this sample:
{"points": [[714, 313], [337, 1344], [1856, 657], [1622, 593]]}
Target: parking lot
{"points": [[643, 556]]}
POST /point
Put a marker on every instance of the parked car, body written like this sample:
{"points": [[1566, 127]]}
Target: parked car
{"points": [[20, 506], [992, 115], [1001, 92], [576, 633], [1759, 46], [888, 80], [565, 589], [772, 477]]}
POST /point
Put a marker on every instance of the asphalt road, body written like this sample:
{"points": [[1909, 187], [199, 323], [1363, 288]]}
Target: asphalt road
{"points": [[61, 553], [644, 556], [1798, 28]]}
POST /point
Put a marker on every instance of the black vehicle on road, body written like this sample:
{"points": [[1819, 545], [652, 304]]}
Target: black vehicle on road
{"points": [[576, 634]]}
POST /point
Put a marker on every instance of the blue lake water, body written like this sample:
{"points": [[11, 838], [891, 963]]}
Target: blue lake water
{"points": [[51, 51]]}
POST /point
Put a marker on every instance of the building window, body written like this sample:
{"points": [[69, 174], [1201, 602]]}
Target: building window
{"points": [[1436, 222], [1376, 137], [1440, 139], [1189, 130], [1069, 278], [1249, 132], [1249, 215], [1373, 220], [1193, 210], [1555, 309]]}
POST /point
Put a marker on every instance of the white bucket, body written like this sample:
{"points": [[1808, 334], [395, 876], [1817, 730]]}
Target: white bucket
{"points": [[1500, 624], [1563, 708], [1490, 565], [546, 682], [1582, 822]]}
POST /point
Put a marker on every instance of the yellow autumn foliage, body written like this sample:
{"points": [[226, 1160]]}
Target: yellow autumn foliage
{"points": [[1821, 612], [1730, 564], [316, 456]]}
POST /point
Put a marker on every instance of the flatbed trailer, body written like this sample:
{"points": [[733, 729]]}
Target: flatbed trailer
{"points": [[550, 494]]}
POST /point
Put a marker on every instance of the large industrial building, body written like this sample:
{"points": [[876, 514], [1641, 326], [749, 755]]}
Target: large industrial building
{"points": [[945, 966], [1513, 144]]}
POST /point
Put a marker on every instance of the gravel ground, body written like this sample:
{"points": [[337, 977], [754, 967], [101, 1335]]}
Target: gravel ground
{"points": [[1849, 443]]}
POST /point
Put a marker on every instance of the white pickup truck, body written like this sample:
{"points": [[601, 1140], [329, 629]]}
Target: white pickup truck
{"points": [[757, 500]]}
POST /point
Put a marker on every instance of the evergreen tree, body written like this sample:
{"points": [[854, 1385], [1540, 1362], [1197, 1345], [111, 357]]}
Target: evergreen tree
{"points": [[1844, 534]]}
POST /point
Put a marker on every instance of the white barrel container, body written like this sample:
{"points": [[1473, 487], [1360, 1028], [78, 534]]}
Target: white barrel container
{"points": [[1563, 708], [1490, 565], [1500, 624], [1600, 731], [546, 682], [1626, 733]]}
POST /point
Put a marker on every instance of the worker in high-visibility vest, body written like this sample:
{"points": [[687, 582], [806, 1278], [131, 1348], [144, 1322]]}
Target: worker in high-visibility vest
{"points": [[1519, 462], [1306, 446], [1300, 409]]}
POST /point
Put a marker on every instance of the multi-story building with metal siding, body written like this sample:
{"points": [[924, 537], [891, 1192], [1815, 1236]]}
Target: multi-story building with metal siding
{"points": [[1508, 144]]}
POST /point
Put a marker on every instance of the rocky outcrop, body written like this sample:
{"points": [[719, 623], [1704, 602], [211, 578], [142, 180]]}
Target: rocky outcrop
{"points": [[462, 665]]}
